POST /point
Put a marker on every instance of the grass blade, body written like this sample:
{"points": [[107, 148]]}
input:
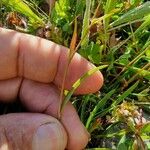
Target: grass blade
{"points": [[83, 108], [73, 40], [125, 94], [110, 5], [100, 105], [86, 24], [134, 14], [143, 26], [79, 82], [141, 72]]}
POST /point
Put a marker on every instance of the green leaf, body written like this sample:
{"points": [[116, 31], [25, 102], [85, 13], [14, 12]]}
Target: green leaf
{"points": [[60, 14], [125, 143], [146, 128], [134, 14], [94, 53], [110, 5], [122, 143], [148, 52], [86, 23], [79, 7], [143, 26], [141, 72], [124, 59], [148, 145], [114, 134], [125, 94]]}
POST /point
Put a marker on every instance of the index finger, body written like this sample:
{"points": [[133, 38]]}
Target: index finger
{"points": [[44, 61]]}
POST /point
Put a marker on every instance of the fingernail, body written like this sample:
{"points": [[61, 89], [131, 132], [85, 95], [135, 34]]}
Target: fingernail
{"points": [[48, 137]]}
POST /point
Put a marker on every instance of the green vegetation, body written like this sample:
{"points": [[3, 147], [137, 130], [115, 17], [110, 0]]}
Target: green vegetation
{"points": [[112, 34]]}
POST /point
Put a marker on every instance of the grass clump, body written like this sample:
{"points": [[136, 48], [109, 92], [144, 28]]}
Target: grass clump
{"points": [[110, 33]]}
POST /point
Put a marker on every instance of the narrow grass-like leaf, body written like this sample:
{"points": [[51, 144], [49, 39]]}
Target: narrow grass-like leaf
{"points": [[122, 143], [100, 105], [115, 134], [104, 17], [22, 8], [146, 128], [83, 108], [134, 14], [143, 26], [141, 72], [110, 5], [79, 7], [103, 112], [125, 94], [79, 82], [110, 128], [73, 40], [86, 24]]}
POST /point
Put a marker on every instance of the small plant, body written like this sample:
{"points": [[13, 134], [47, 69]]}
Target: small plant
{"points": [[136, 126]]}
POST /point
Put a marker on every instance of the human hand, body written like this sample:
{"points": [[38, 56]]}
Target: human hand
{"points": [[32, 68]]}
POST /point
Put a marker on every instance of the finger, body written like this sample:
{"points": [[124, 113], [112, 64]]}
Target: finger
{"points": [[28, 131], [39, 97], [42, 60]]}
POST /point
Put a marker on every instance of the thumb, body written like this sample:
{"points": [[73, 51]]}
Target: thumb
{"points": [[29, 131]]}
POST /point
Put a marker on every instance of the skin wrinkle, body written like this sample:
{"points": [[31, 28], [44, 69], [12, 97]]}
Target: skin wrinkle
{"points": [[18, 56], [54, 48], [20, 64], [10, 141], [48, 106], [48, 59], [52, 104], [20, 60], [25, 141], [17, 51], [57, 66], [7, 139], [18, 93], [8, 55], [19, 86]]}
